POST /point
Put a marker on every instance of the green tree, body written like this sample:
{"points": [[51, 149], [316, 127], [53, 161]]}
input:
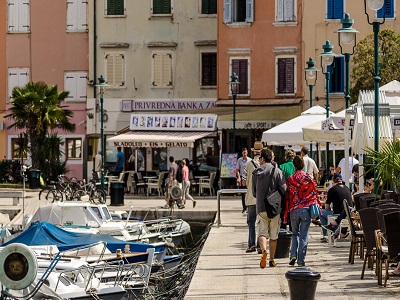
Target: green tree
{"points": [[37, 108], [363, 61]]}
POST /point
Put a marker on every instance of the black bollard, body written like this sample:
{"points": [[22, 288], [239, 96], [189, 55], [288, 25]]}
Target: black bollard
{"points": [[302, 283]]}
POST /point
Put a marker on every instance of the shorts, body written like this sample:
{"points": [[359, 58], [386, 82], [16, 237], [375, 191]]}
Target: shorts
{"points": [[269, 228]]}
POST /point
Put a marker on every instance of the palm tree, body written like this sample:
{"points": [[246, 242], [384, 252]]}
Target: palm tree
{"points": [[37, 108]]}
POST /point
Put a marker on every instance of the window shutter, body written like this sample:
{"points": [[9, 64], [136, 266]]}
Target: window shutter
{"points": [[111, 7], [156, 70], [161, 6], [213, 7], [72, 9], [82, 23], [166, 69], [285, 75], [81, 86], [279, 11], [387, 10], [249, 11], [205, 7], [12, 16], [70, 85], [338, 9], [24, 16], [240, 67], [17, 77], [209, 69], [119, 70], [329, 9], [290, 75], [166, 6], [289, 10], [227, 11], [336, 85]]}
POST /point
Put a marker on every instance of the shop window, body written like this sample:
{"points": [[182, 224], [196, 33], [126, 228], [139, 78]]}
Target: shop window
{"points": [[74, 148], [160, 160]]}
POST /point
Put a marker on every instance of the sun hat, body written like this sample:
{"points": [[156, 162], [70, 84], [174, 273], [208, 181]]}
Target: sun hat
{"points": [[258, 146]]}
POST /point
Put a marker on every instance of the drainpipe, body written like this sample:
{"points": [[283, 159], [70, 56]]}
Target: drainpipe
{"points": [[94, 48]]}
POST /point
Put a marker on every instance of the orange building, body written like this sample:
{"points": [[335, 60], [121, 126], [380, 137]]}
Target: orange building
{"points": [[261, 41]]}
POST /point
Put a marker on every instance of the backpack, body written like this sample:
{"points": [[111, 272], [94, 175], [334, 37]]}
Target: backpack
{"points": [[178, 176]]}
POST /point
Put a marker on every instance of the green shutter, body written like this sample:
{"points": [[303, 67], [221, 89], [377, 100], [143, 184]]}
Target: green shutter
{"points": [[115, 7], [208, 7], [161, 7]]}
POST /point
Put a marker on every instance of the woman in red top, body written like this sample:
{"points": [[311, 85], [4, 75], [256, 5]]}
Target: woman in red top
{"points": [[301, 193], [186, 183]]}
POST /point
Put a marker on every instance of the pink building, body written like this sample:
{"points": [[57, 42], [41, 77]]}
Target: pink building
{"points": [[48, 41], [261, 42]]}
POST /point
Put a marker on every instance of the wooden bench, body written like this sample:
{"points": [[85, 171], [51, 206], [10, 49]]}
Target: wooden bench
{"points": [[14, 195]]}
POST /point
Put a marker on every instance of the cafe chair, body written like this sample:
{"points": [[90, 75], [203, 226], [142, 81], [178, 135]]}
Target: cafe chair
{"points": [[139, 184], [357, 236], [207, 183], [155, 184]]}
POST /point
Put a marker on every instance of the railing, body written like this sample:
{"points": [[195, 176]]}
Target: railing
{"points": [[226, 192]]}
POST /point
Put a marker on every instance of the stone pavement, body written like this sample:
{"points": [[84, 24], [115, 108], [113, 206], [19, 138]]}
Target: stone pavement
{"points": [[225, 271]]}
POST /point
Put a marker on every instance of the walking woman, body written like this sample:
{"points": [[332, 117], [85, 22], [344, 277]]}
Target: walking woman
{"points": [[301, 193], [186, 183]]}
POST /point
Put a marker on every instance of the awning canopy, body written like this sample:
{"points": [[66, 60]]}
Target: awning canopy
{"points": [[156, 139]]}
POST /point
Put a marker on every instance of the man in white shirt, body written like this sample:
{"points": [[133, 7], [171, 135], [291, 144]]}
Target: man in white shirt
{"points": [[310, 166], [241, 175], [342, 169]]}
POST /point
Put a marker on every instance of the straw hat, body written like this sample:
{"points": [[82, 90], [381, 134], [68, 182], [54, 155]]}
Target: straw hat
{"points": [[258, 146]]}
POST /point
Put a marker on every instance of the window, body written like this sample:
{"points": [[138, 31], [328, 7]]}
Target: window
{"points": [[115, 8], [241, 67], [17, 77], [115, 69], [74, 148], [17, 148], [387, 10], [208, 69], [75, 84], [285, 11], [161, 7], [336, 85], [162, 69], [208, 7], [77, 16], [238, 11], [285, 75], [334, 9], [18, 16], [160, 159]]}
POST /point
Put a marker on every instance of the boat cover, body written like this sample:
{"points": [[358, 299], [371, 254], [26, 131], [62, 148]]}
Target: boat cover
{"points": [[43, 233]]}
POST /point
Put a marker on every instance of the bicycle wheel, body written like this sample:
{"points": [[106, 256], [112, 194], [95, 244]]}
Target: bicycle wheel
{"points": [[99, 196], [54, 195], [76, 196]]}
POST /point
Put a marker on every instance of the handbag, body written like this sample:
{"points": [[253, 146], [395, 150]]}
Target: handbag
{"points": [[273, 201], [315, 211]]}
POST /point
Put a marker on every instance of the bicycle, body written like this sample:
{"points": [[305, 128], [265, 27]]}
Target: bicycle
{"points": [[96, 194]]}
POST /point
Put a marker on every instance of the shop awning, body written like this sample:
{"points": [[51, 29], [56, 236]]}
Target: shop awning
{"points": [[156, 139]]}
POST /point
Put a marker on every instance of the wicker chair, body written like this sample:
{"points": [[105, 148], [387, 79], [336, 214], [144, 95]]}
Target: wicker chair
{"points": [[369, 223], [391, 253], [380, 218], [379, 203], [366, 200], [356, 199], [357, 236]]}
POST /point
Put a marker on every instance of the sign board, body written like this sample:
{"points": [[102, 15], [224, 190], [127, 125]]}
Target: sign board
{"points": [[154, 104], [228, 165], [173, 122], [152, 144]]}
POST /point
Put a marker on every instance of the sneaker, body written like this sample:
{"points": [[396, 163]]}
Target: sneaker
{"points": [[251, 249], [165, 206], [292, 261], [263, 262], [329, 227], [194, 204], [324, 240], [272, 263], [301, 264]]}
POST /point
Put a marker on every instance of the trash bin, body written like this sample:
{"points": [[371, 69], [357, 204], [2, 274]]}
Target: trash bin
{"points": [[116, 193], [34, 178], [302, 283], [283, 246]]}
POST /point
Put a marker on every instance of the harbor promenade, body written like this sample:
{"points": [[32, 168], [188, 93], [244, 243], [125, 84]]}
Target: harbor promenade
{"points": [[225, 271]]}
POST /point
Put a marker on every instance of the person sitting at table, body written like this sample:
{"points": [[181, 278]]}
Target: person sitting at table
{"points": [[323, 177], [336, 194]]}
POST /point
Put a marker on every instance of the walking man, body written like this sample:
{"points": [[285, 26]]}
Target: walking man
{"points": [[241, 175], [261, 181], [250, 199]]}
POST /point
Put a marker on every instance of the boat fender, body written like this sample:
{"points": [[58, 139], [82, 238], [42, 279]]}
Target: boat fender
{"points": [[176, 192], [18, 266]]}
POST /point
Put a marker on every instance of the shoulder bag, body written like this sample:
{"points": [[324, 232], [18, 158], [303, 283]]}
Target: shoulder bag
{"points": [[273, 201]]}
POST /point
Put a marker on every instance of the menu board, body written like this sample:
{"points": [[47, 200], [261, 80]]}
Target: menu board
{"points": [[229, 165]]}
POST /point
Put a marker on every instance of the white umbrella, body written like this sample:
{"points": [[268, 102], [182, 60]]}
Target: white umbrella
{"points": [[290, 132]]}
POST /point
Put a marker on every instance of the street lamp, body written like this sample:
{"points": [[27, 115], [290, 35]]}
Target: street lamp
{"points": [[375, 5], [347, 35], [234, 84], [310, 74], [102, 84], [327, 59]]}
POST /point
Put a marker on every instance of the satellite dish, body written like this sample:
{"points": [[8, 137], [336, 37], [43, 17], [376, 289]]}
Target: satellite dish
{"points": [[20, 266], [176, 192]]}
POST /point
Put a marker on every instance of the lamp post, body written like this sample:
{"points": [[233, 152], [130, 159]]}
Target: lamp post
{"points": [[310, 74], [327, 59], [102, 84], [347, 35], [234, 85], [375, 5]]}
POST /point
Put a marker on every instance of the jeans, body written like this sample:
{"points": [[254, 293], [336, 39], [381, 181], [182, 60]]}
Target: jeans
{"points": [[300, 219], [251, 222], [324, 219]]}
